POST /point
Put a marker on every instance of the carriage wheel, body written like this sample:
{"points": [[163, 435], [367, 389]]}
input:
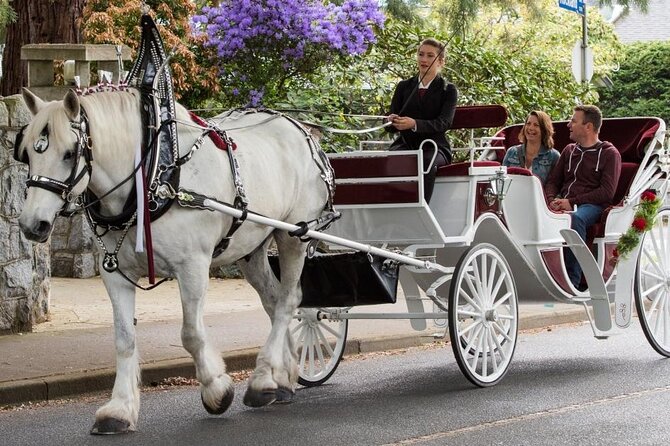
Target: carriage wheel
{"points": [[483, 315], [320, 344], [652, 284]]}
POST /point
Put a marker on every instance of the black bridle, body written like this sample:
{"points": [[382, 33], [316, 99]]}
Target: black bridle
{"points": [[62, 188]]}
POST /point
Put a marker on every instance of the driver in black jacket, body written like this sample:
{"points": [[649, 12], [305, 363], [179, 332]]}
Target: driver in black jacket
{"points": [[423, 108]]}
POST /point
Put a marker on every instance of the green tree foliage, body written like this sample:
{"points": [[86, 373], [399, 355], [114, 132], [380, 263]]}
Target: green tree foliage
{"points": [[642, 83], [7, 16], [459, 15]]}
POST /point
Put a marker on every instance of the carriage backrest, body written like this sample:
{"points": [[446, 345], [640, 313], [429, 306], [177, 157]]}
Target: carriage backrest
{"points": [[479, 116], [630, 136]]}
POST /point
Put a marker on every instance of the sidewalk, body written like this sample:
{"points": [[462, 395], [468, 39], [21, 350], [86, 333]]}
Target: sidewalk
{"points": [[73, 353]]}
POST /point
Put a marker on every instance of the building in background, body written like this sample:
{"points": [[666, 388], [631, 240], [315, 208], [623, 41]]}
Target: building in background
{"points": [[636, 26]]}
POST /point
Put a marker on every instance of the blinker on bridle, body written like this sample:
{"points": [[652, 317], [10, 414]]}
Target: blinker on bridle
{"points": [[61, 188]]}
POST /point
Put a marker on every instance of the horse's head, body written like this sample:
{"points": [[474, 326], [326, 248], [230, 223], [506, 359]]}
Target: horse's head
{"points": [[55, 145]]}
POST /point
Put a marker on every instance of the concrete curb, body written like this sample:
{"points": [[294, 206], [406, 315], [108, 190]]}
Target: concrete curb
{"points": [[73, 384]]}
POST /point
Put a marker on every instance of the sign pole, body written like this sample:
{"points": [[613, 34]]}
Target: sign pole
{"points": [[584, 45]]}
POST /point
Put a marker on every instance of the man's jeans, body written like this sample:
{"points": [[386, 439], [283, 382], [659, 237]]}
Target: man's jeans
{"points": [[585, 216]]}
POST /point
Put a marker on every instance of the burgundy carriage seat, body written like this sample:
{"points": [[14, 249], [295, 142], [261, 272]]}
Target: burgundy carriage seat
{"points": [[474, 117]]}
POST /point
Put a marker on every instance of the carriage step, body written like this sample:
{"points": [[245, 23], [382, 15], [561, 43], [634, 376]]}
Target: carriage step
{"points": [[602, 318]]}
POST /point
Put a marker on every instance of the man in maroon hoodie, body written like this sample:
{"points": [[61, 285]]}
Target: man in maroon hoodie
{"points": [[585, 177]]}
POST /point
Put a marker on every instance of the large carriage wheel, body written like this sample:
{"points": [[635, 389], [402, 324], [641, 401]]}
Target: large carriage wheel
{"points": [[483, 315], [320, 345], [652, 284]]}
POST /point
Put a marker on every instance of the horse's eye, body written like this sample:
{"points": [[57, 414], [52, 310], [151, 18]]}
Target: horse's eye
{"points": [[68, 155]]}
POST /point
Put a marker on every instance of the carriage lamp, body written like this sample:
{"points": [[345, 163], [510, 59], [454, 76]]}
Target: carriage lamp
{"points": [[499, 185]]}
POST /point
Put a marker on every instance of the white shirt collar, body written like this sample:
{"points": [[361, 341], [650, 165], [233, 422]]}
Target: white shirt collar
{"points": [[425, 86]]}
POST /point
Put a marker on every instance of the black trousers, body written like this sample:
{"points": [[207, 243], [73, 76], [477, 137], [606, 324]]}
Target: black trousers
{"points": [[442, 159]]}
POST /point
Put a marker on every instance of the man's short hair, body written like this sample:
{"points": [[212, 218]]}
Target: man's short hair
{"points": [[592, 114]]}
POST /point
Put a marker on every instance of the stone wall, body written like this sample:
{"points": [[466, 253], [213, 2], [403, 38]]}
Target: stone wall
{"points": [[24, 266]]}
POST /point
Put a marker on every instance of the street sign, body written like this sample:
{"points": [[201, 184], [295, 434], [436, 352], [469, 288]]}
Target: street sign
{"points": [[572, 5], [577, 59]]}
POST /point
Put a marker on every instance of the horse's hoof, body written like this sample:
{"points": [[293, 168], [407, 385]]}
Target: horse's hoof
{"points": [[254, 398], [284, 395], [110, 426], [224, 404]]}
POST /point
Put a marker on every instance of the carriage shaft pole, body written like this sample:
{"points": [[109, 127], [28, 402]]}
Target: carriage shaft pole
{"points": [[260, 219]]}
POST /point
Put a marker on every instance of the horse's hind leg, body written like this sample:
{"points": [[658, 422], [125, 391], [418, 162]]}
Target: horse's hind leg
{"points": [[276, 372], [216, 387], [120, 414]]}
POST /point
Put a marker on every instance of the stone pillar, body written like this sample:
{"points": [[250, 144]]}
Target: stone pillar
{"points": [[24, 266], [73, 250]]}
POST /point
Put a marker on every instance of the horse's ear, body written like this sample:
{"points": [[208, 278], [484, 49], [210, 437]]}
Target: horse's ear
{"points": [[71, 104], [33, 103]]}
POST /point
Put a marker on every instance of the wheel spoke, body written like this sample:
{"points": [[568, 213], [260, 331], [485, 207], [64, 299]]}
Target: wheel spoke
{"points": [[650, 290], [494, 363], [502, 299], [477, 275], [485, 351], [653, 263], [496, 289], [470, 327], [659, 315], [299, 326], [330, 329], [469, 299], [472, 338], [497, 326], [478, 349], [470, 314], [325, 343], [319, 350], [660, 254], [493, 285], [647, 273]]}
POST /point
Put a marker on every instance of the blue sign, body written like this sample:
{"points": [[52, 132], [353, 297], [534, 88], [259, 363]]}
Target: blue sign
{"points": [[572, 5]]}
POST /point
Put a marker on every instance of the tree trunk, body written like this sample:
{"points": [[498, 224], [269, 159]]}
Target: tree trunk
{"points": [[39, 21]]}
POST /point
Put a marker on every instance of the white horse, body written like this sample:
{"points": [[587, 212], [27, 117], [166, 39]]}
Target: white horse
{"points": [[282, 181]]}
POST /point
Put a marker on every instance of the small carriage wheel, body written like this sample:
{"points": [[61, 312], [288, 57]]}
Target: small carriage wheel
{"points": [[652, 284], [483, 315], [320, 344]]}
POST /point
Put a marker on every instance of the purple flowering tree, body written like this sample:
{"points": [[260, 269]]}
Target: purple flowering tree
{"points": [[262, 44]]}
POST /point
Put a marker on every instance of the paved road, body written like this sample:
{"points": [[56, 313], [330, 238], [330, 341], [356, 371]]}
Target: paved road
{"points": [[564, 387]]}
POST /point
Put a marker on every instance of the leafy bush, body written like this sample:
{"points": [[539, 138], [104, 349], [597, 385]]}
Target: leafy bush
{"points": [[642, 83]]}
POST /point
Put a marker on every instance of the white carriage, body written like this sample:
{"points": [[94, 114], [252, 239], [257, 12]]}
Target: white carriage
{"points": [[488, 242]]}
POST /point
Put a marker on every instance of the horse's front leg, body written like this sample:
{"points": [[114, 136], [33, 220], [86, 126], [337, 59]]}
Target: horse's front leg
{"points": [[216, 387], [276, 373], [120, 414]]}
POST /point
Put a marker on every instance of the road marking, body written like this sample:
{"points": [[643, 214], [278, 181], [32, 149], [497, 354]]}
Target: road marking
{"points": [[530, 416]]}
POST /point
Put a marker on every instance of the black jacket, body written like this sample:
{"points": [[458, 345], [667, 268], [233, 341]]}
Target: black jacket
{"points": [[433, 113]]}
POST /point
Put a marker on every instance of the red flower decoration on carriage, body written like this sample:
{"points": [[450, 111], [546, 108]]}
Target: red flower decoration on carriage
{"points": [[648, 195], [640, 224], [643, 221]]}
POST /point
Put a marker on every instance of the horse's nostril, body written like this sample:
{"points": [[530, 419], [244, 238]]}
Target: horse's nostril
{"points": [[43, 227]]}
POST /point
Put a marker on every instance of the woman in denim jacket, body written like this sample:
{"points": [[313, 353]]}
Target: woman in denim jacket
{"points": [[536, 152]]}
